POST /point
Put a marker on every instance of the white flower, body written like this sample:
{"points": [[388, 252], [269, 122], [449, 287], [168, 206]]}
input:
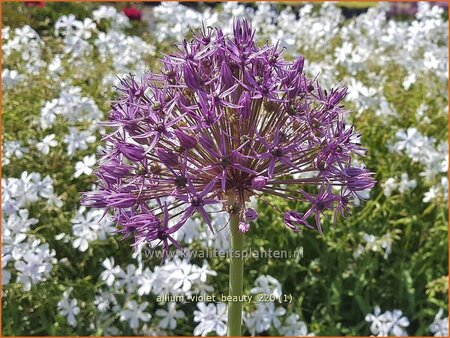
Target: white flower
{"points": [[257, 321], [129, 278], [85, 166], [397, 322], [6, 274], [293, 327], [44, 145], [430, 195], [65, 22], [266, 284], [145, 282], [439, 327], [134, 313], [68, 307], [104, 12], [184, 276], [104, 301], [204, 271], [54, 200], [44, 188], [25, 34], [378, 325], [409, 80], [14, 230], [407, 140], [10, 78], [35, 264], [273, 313], [389, 186], [90, 226], [48, 113], [110, 272], [77, 140], [56, 65], [169, 317], [406, 184], [81, 242], [85, 28], [6, 31], [211, 318], [361, 195], [388, 323], [13, 148]]}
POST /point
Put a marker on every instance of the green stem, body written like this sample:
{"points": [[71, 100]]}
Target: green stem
{"points": [[236, 278]]}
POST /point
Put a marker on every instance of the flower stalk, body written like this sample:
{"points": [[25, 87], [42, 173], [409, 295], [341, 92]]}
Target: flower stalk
{"points": [[235, 278]]}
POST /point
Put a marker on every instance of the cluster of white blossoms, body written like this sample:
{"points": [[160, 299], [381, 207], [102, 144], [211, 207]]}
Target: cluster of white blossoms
{"points": [[368, 43], [26, 45], [32, 260], [88, 226], [72, 106], [394, 323], [360, 51], [373, 243], [176, 277], [109, 14], [12, 149], [212, 318], [431, 154], [270, 314], [402, 185], [387, 323], [18, 193], [10, 78]]}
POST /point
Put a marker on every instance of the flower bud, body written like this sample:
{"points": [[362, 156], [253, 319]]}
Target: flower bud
{"points": [[116, 170], [226, 74], [120, 200], [292, 217], [94, 199], [186, 141], [167, 157], [245, 102], [190, 78], [250, 215], [259, 182], [131, 151], [243, 227]]}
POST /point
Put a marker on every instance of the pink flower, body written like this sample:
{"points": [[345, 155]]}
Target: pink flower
{"points": [[132, 13], [34, 3]]}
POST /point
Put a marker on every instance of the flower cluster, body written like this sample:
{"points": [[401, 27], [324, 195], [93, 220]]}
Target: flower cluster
{"points": [[428, 152], [387, 323], [33, 260], [224, 121], [25, 43], [175, 277]]}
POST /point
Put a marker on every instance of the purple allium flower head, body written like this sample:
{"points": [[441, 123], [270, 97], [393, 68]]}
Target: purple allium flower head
{"points": [[225, 120]]}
